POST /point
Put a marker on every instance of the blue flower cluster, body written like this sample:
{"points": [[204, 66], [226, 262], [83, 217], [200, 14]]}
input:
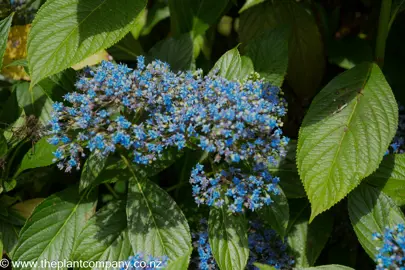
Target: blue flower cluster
{"points": [[397, 145], [264, 244], [25, 10], [249, 190], [267, 247], [150, 109], [205, 259], [392, 253], [142, 262]]}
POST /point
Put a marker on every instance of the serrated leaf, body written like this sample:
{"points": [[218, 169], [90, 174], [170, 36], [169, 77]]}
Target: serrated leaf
{"points": [[64, 33], [177, 51], [5, 25], [232, 66], [105, 236], [91, 170], [306, 58], [264, 266], [228, 239], [38, 156], [370, 211], [156, 224], [51, 231], [345, 134], [390, 177], [308, 240], [277, 214], [269, 54], [327, 267], [181, 263]]}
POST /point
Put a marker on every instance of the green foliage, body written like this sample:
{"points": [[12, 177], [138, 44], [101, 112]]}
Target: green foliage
{"points": [[228, 239], [370, 212], [54, 226], [5, 25], [76, 37], [334, 147]]}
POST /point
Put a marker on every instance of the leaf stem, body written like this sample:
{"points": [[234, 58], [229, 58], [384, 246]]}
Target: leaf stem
{"points": [[108, 186], [383, 29]]}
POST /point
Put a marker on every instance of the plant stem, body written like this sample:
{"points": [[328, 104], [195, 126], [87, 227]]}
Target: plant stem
{"points": [[108, 186], [383, 28]]}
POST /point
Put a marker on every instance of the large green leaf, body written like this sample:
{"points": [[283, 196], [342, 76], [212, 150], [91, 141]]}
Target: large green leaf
{"points": [[39, 156], [105, 236], [269, 54], [306, 57], [156, 225], [390, 177], [91, 170], [228, 239], [177, 51], [51, 231], [345, 134], [305, 240], [5, 25], [277, 214], [232, 66], [65, 32], [195, 16], [370, 211]]}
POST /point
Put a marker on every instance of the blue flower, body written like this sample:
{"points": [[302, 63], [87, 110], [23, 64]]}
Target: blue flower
{"points": [[391, 250]]}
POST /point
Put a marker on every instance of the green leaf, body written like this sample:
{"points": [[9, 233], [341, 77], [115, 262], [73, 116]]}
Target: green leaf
{"points": [[195, 16], [277, 214], [269, 54], [370, 211], [390, 177], [397, 7], [91, 170], [327, 267], [345, 134], [105, 236], [306, 57], [156, 224], [181, 263], [5, 25], [51, 231], [38, 101], [177, 51], [10, 236], [249, 4], [58, 40], [232, 66], [228, 239], [39, 156], [264, 266], [307, 240]]}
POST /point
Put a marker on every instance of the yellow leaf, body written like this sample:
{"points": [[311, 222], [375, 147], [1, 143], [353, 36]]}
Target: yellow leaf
{"points": [[16, 49]]}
